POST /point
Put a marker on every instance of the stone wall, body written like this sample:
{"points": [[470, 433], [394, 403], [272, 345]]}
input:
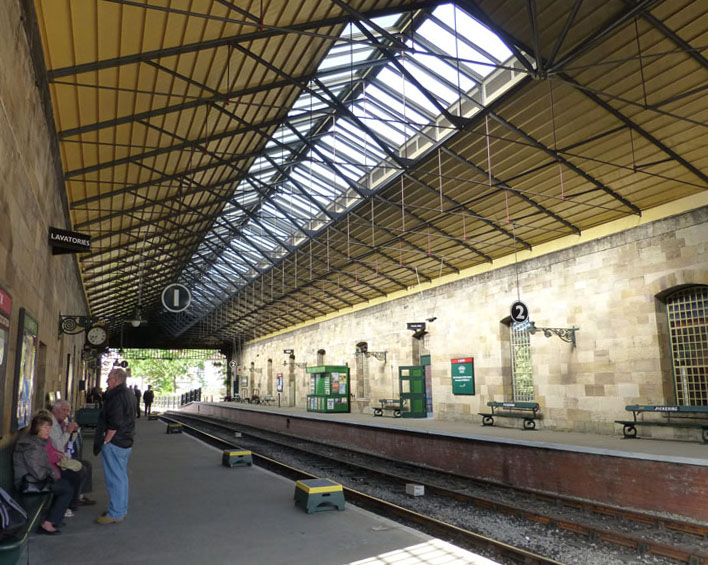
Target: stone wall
{"points": [[32, 199], [607, 287]]}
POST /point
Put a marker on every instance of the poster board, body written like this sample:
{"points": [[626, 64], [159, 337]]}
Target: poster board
{"points": [[25, 369], [5, 315]]}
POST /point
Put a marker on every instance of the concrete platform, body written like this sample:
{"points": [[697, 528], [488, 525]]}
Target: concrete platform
{"points": [[186, 508]]}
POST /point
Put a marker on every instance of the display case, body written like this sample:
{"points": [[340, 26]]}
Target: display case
{"points": [[329, 389]]}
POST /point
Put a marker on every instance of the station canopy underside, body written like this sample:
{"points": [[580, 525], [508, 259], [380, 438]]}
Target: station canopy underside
{"points": [[286, 159]]}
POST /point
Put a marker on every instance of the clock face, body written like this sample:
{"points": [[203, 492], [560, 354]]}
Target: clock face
{"points": [[97, 335]]}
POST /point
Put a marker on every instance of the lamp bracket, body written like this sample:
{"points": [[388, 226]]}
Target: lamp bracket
{"points": [[378, 355], [566, 334], [75, 324]]}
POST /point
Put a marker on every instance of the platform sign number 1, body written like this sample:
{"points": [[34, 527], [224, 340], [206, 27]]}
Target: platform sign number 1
{"points": [[176, 297], [519, 312]]}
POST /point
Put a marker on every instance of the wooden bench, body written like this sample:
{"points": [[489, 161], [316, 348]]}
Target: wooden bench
{"points": [[34, 504], [671, 415], [392, 404], [526, 410]]}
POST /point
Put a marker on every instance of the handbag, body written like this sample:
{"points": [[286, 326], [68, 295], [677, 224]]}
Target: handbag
{"points": [[70, 464], [30, 485], [12, 516]]}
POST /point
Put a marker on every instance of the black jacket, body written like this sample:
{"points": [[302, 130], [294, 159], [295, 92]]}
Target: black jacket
{"points": [[117, 413]]}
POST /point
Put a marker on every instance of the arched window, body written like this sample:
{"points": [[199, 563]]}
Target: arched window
{"points": [[687, 310], [521, 366]]}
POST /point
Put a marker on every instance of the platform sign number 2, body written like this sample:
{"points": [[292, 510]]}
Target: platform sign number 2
{"points": [[176, 297], [519, 311]]}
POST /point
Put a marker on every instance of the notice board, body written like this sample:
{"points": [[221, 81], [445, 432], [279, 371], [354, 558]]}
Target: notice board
{"points": [[462, 375]]}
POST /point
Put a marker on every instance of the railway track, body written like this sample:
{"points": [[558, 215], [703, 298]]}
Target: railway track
{"points": [[543, 510]]}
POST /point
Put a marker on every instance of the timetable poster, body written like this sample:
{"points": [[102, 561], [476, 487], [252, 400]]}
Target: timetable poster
{"points": [[342, 383]]}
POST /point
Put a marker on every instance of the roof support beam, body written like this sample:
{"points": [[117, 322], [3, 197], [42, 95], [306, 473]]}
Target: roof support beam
{"points": [[231, 40], [555, 155]]}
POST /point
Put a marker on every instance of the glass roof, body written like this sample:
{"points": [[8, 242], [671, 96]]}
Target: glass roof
{"points": [[361, 108]]}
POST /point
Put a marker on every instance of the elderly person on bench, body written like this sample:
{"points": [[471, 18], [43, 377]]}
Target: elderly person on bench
{"points": [[60, 438], [31, 463]]}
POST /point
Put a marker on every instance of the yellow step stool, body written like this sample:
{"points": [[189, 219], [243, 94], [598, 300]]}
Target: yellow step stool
{"points": [[174, 428], [153, 416], [315, 495], [231, 458]]}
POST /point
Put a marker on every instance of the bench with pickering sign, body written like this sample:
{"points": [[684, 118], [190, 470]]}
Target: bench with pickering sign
{"points": [[528, 411], [672, 415]]}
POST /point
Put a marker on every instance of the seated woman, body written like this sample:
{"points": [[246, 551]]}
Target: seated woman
{"points": [[32, 460]]}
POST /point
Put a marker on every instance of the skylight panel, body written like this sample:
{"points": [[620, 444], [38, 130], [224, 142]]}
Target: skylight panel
{"points": [[445, 70], [346, 55], [407, 90], [469, 57], [474, 30]]}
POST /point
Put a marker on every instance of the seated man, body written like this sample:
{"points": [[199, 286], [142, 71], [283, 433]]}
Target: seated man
{"points": [[60, 438]]}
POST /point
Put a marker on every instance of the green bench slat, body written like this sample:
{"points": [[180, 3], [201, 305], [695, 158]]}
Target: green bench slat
{"points": [[527, 411], [668, 409]]}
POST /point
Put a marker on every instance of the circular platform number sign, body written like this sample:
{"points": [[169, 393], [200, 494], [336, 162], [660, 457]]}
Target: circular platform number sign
{"points": [[519, 311], [176, 298]]}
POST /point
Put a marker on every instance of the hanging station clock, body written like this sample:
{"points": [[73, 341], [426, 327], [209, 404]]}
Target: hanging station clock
{"points": [[97, 336]]}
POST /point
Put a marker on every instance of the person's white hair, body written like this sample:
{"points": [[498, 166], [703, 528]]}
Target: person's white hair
{"points": [[119, 374], [60, 404]]}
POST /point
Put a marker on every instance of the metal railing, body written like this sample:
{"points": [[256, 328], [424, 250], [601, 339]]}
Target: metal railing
{"points": [[169, 401]]}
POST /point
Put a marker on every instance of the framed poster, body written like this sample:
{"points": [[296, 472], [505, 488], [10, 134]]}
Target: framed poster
{"points": [[5, 313], [25, 367]]}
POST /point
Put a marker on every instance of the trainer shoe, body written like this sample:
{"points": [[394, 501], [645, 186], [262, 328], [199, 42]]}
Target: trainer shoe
{"points": [[86, 501], [68, 513], [103, 520]]}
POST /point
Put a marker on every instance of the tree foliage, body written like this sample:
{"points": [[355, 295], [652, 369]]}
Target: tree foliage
{"points": [[163, 374]]}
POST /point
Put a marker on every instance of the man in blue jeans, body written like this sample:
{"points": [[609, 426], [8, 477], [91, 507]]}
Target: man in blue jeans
{"points": [[114, 439]]}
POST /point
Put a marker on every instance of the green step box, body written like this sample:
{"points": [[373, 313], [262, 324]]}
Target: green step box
{"points": [[315, 495], [174, 428], [232, 458], [153, 416]]}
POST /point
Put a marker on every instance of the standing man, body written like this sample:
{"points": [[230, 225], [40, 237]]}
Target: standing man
{"points": [[114, 438], [148, 397], [138, 397]]}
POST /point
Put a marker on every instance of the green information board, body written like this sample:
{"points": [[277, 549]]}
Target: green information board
{"points": [[462, 375], [329, 388]]}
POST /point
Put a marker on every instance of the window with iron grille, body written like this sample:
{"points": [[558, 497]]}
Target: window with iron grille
{"points": [[688, 335], [521, 369]]}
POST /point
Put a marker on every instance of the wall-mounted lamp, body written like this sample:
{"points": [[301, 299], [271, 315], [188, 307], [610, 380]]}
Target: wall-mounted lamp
{"points": [[566, 334]]}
